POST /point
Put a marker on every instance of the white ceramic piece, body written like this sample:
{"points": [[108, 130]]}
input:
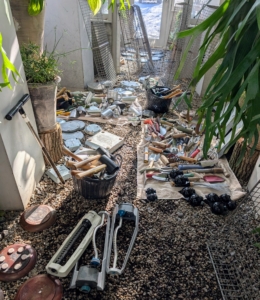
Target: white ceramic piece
{"points": [[64, 172], [107, 140]]}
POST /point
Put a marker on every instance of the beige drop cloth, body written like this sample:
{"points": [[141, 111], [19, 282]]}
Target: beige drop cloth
{"points": [[165, 190]]}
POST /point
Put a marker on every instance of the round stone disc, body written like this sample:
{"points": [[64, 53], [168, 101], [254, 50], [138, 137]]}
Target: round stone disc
{"points": [[92, 129], [37, 218], [72, 126], [16, 261], [75, 135], [40, 287]]}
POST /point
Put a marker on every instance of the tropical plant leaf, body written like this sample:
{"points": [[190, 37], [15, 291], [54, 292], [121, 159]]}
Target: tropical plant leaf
{"points": [[7, 65], [95, 5]]}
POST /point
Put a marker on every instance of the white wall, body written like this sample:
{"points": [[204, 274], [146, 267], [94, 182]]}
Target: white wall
{"points": [[64, 17], [21, 161]]}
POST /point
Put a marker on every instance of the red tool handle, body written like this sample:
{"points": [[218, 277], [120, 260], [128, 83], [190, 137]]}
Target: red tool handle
{"points": [[195, 153]]}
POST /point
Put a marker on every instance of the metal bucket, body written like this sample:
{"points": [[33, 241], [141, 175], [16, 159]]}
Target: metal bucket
{"points": [[91, 188], [44, 105]]}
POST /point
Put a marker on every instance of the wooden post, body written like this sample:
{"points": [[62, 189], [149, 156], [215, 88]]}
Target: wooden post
{"points": [[53, 142], [244, 169]]}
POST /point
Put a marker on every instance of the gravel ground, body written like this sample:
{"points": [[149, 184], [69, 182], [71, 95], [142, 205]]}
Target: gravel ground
{"points": [[169, 259]]}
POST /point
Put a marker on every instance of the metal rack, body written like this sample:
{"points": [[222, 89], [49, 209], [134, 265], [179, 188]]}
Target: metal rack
{"points": [[232, 250], [180, 22], [135, 43], [97, 35], [129, 44]]}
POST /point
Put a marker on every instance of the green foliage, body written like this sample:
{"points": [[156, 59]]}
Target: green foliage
{"points": [[256, 230], [35, 7], [122, 4], [237, 23], [39, 68], [7, 65]]}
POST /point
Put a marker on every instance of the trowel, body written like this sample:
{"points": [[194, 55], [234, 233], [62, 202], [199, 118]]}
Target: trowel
{"points": [[153, 157]]}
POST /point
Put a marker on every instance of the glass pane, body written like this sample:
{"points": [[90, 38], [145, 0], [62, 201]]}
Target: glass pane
{"points": [[104, 8], [152, 14]]}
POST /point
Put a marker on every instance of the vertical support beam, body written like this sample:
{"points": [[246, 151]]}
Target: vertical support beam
{"points": [[116, 39]]}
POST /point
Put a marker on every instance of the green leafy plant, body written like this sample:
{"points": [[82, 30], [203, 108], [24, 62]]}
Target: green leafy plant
{"points": [[237, 23], [7, 65], [39, 68], [36, 6]]}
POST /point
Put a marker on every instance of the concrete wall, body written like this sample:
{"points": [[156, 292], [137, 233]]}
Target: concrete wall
{"points": [[64, 18], [21, 160]]}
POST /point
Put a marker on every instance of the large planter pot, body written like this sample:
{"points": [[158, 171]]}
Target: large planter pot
{"points": [[43, 97], [28, 28]]}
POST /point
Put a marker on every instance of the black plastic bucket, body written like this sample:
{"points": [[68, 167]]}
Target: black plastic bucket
{"points": [[157, 104], [91, 188]]}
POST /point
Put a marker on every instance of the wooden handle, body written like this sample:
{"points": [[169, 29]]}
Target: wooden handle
{"points": [[173, 165], [195, 179], [70, 165], [167, 123], [66, 151], [160, 145], [193, 160], [176, 92], [208, 171], [75, 172], [86, 161], [164, 159], [154, 149], [90, 172], [179, 135], [62, 91], [146, 158]]}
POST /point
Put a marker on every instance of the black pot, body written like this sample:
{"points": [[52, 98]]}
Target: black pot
{"points": [[91, 188]]}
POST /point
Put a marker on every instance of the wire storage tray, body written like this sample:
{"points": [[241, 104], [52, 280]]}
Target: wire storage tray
{"points": [[233, 251]]}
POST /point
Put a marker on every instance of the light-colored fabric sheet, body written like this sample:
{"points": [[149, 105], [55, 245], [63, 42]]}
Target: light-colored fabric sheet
{"points": [[165, 190]]}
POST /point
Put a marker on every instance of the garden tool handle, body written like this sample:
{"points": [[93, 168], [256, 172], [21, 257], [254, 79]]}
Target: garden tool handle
{"points": [[192, 160], [154, 149], [66, 151], [167, 123], [164, 159], [179, 135], [17, 107], [212, 170], [70, 165], [80, 164], [90, 172], [160, 145]]}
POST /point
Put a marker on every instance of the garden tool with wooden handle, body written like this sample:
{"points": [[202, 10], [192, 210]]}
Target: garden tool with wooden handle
{"points": [[153, 157], [19, 108]]}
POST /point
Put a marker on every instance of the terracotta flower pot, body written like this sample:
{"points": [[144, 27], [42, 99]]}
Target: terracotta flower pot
{"points": [[43, 97]]}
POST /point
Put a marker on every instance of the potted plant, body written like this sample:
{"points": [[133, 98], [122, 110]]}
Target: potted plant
{"points": [[41, 71]]}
